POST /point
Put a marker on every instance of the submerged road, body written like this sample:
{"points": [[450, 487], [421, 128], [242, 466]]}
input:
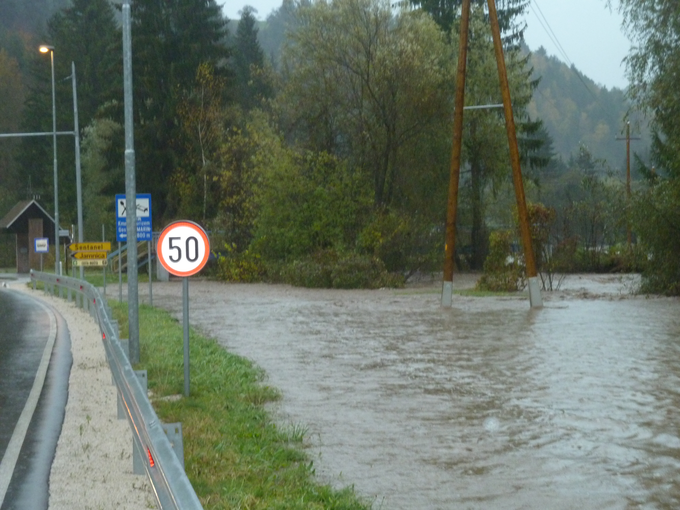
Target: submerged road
{"points": [[34, 365]]}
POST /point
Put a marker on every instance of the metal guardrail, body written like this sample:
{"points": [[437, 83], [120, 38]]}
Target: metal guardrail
{"points": [[170, 484]]}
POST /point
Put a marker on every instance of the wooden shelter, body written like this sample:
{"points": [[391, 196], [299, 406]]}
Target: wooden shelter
{"points": [[28, 220]]}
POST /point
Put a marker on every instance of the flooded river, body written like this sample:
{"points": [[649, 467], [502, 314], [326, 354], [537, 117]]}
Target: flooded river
{"points": [[487, 405]]}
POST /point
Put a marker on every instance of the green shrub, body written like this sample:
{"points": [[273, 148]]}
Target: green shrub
{"points": [[328, 269], [401, 242], [358, 272], [308, 273], [244, 267], [503, 271]]}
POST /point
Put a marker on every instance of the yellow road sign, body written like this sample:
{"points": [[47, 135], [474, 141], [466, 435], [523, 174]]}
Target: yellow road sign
{"points": [[101, 246], [89, 255], [90, 263]]}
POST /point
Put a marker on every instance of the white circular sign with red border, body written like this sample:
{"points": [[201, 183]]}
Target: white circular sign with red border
{"points": [[183, 248]]}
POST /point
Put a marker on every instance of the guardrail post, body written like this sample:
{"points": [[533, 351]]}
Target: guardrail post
{"points": [[138, 460], [115, 327], [141, 375], [138, 456], [174, 433], [125, 345]]}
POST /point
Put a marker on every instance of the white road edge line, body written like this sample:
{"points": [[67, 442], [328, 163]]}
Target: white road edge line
{"points": [[9, 460]]}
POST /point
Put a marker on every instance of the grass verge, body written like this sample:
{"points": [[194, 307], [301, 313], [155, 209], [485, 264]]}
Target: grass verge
{"points": [[235, 455]]}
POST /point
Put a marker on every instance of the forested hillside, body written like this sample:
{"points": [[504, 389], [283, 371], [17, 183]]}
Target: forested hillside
{"points": [[28, 16], [576, 111]]}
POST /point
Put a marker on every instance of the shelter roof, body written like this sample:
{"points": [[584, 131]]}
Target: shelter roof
{"points": [[16, 220]]}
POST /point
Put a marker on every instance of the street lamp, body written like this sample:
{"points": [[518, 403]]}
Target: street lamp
{"points": [[45, 49]]}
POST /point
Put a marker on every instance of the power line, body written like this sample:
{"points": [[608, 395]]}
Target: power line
{"points": [[553, 37], [549, 31]]}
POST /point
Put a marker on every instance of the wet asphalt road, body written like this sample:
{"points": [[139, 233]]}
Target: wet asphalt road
{"points": [[33, 340]]}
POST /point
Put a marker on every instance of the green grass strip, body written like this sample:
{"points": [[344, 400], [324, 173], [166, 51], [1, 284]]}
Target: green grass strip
{"points": [[236, 456]]}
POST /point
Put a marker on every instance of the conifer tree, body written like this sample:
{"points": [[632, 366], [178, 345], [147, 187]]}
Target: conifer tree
{"points": [[86, 34], [249, 63], [171, 39]]}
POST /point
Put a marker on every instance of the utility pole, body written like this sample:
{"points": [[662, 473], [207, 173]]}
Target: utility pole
{"points": [[452, 206], [532, 276], [628, 138], [447, 287]]}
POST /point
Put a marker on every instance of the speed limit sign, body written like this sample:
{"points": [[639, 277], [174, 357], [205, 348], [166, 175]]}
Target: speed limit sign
{"points": [[183, 248]]}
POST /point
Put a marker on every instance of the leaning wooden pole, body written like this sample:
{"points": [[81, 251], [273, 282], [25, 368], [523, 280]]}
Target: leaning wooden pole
{"points": [[629, 235], [534, 287], [452, 207]]}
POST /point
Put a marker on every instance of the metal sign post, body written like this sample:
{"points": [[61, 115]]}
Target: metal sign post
{"points": [[148, 248], [183, 249], [104, 270], [120, 273], [41, 245]]}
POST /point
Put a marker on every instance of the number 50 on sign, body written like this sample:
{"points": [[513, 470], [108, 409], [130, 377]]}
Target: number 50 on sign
{"points": [[183, 248]]}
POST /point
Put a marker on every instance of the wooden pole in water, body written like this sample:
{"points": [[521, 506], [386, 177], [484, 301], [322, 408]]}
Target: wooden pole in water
{"points": [[534, 290], [452, 206], [628, 138]]}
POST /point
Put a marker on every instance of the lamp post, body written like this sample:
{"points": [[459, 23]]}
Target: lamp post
{"points": [[76, 135], [45, 49]]}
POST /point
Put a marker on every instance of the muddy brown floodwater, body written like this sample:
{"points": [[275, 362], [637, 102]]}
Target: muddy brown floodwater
{"points": [[487, 405]]}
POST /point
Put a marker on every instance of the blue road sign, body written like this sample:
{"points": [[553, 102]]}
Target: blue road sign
{"points": [[144, 229]]}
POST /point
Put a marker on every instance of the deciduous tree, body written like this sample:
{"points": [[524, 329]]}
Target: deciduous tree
{"points": [[653, 67], [202, 118], [362, 84]]}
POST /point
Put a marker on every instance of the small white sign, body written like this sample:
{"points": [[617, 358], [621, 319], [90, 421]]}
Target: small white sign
{"points": [[42, 245], [143, 208]]}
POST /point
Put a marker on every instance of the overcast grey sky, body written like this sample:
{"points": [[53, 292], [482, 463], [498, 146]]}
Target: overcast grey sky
{"points": [[589, 34]]}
